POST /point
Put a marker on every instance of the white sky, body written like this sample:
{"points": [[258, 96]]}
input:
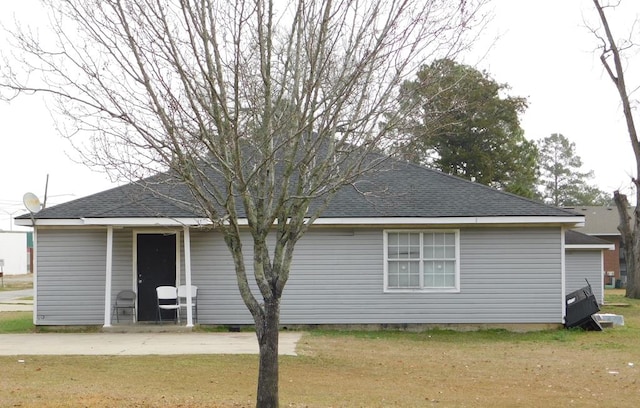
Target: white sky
{"points": [[544, 52]]}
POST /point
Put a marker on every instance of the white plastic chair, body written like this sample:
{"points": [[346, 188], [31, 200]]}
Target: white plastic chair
{"points": [[167, 297], [182, 299]]}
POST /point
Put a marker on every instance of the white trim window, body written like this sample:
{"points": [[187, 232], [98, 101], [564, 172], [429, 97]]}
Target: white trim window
{"points": [[425, 261]]}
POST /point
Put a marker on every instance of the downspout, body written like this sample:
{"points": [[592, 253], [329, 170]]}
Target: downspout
{"points": [[602, 274], [563, 275], [34, 266]]}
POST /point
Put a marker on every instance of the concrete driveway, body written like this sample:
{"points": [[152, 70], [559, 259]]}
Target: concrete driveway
{"points": [[13, 301], [139, 343], [126, 343]]}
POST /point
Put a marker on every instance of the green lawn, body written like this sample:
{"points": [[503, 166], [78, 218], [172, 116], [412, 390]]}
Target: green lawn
{"points": [[16, 322]]}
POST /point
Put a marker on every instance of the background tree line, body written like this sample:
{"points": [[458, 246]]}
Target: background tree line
{"points": [[464, 123]]}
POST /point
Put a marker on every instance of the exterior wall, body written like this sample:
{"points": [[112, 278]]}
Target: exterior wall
{"points": [[70, 276], [13, 250], [581, 264], [122, 268], [507, 276]]}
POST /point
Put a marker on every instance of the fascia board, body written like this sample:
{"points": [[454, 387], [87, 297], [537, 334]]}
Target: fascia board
{"points": [[142, 222], [159, 221], [575, 221], [610, 247]]}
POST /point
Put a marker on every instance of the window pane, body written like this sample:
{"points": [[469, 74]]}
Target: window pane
{"points": [[428, 245], [449, 267], [392, 278], [403, 281], [428, 239], [414, 252], [427, 252], [428, 267], [450, 281], [428, 281], [403, 239], [438, 238], [450, 252], [438, 252], [414, 280], [392, 238], [450, 238]]}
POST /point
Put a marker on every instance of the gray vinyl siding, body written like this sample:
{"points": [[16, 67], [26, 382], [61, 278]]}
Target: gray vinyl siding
{"points": [[213, 271], [122, 264], [70, 276], [507, 275], [581, 264], [122, 267], [510, 275]]}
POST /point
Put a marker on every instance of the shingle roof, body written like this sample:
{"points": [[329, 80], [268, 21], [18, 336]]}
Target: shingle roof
{"points": [[399, 189], [572, 237], [600, 220]]}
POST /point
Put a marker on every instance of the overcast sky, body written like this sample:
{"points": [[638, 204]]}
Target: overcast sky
{"points": [[544, 52]]}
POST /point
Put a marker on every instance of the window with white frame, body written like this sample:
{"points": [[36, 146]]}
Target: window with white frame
{"points": [[422, 260]]}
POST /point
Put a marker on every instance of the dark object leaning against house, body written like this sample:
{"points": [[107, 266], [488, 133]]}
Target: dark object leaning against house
{"points": [[581, 305]]}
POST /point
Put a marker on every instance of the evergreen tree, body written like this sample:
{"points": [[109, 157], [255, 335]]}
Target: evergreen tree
{"points": [[465, 126], [562, 181]]}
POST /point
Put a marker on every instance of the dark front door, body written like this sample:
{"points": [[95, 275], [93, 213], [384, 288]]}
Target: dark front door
{"points": [[156, 267]]}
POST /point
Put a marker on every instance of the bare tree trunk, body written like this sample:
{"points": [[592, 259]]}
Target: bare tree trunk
{"points": [[628, 227], [267, 327], [627, 235]]}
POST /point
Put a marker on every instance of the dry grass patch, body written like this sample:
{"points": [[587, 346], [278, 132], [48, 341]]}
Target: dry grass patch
{"points": [[16, 282], [359, 369]]}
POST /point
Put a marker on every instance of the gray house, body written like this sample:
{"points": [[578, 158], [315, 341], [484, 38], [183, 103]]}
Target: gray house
{"points": [[585, 259], [408, 246]]}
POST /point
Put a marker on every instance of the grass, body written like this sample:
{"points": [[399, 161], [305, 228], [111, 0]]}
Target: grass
{"points": [[358, 369], [16, 322]]}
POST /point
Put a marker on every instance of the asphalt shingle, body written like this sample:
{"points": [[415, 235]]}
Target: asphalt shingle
{"points": [[397, 189]]}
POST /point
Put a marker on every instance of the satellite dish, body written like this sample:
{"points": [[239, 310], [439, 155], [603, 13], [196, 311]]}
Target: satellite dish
{"points": [[32, 202]]}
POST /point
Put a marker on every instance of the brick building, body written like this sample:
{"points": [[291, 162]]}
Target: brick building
{"points": [[602, 222]]}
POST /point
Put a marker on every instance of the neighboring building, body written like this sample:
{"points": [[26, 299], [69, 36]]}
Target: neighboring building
{"points": [[584, 262], [409, 246], [13, 252], [602, 222]]}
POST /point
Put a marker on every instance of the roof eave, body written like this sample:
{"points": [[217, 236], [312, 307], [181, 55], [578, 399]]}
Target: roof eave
{"points": [[610, 247], [571, 221]]}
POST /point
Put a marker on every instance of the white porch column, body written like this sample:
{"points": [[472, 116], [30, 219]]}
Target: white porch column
{"points": [[108, 278], [187, 274]]}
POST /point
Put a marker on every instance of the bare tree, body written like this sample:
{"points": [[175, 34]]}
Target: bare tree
{"points": [[629, 226], [263, 109]]}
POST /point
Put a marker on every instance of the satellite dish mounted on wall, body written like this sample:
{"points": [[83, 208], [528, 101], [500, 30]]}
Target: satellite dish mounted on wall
{"points": [[32, 202]]}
